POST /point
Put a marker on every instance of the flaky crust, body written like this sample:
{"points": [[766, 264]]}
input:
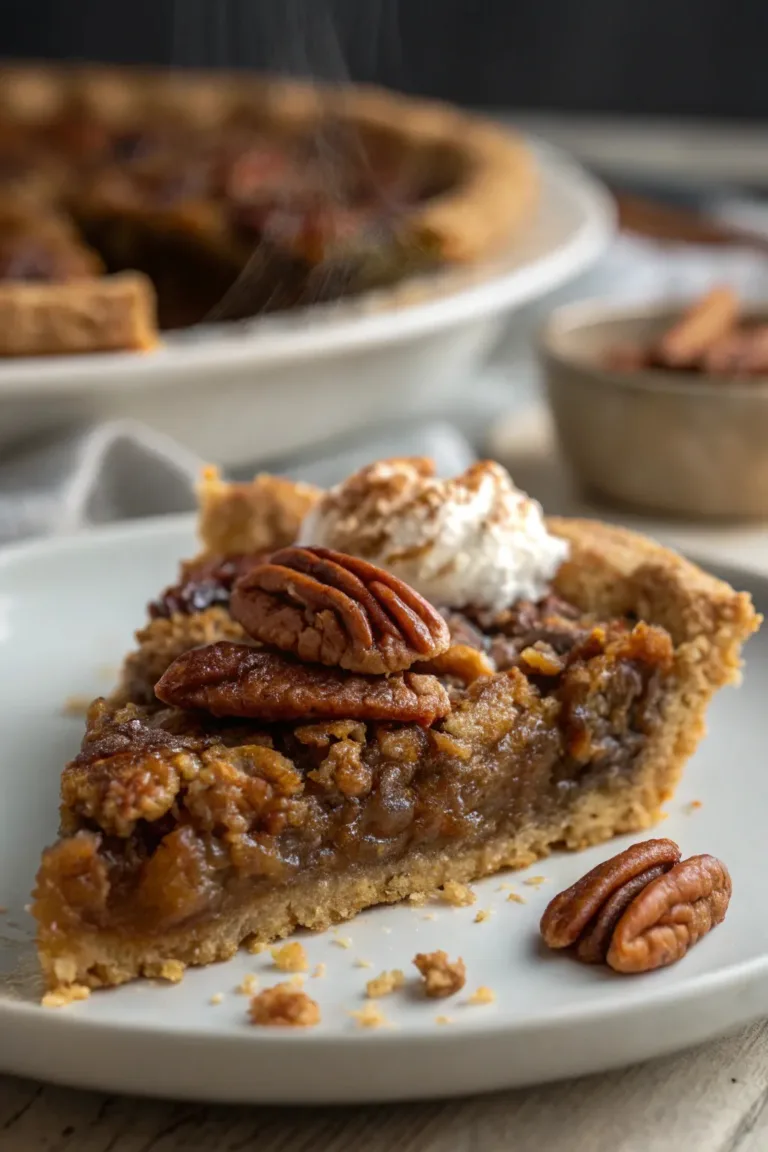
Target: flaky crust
{"points": [[104, 314], [238, 519]]}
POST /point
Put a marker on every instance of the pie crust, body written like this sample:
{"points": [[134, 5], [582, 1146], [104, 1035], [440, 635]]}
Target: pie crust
{"points": [[611, 573]]}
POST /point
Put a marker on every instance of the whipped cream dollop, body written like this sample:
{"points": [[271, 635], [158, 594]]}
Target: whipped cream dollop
{"points": [[473, 540]]}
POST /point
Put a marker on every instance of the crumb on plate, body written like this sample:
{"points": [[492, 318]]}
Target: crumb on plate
{"points": [[369, 1016], [319, 970], [482, 995], [248, 984], [385, 984], [515, 898], [692, 807], [217, 998], [66, 994], [255, 947], [342, 941], [443, 1019], [284, 1006], [290, 957], [442, 977], [535, 881], [457, 894], [483, 914]]}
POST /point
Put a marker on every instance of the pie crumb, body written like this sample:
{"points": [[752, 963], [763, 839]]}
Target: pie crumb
{"points": [[217, 998], [515, 898], [535, 881], [297, 980], [172, 970], [457, 894], [255, 947], [429, 916], [342, 941], [248, 985], [483, 914], [442, 977], [319, 970], [290, 957], [384, 984], [360, 963], [443, 1019], [694, 806], [67, 994], [369, 1016], [284, 1006], [482, 995]]}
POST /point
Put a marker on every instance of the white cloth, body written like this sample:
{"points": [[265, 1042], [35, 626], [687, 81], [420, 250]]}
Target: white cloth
{"points": [[122, 470]]}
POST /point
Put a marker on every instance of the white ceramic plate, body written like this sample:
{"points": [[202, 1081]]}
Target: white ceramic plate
{"points": [[67, 609], [237, 392]]}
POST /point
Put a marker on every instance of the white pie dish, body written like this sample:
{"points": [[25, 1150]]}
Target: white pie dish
{"points": [[67, 609], [237, 392]]}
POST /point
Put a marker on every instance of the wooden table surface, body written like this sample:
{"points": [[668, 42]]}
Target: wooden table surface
{"points": [[712, 1099]]}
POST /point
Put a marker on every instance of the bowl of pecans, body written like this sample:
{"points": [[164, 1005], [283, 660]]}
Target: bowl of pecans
{"points": [[664, 409]]}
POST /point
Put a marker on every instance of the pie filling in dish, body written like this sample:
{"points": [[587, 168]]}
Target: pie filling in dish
{"points": [[132, 199], [355, 696]]}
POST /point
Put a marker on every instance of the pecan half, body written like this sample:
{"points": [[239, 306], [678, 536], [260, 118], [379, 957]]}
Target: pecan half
{"points": [[670, 915], [230, 679], [329, 608], [571, 912]]}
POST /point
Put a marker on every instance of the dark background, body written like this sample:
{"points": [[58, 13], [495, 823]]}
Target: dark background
{"points": [[653, 57]]}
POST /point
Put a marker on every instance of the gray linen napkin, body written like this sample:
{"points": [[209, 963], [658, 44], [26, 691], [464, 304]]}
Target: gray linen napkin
{"points": [[123, 470]]}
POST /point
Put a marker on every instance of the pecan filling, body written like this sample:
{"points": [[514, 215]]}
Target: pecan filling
{"points": [[266, 768]]}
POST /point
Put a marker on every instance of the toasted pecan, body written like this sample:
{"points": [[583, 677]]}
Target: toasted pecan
{"points": [[670, 915], [570, 912], [229, 679], [329, 608]]}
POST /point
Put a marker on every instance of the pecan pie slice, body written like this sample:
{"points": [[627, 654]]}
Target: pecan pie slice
{"points": [[257, 792]]}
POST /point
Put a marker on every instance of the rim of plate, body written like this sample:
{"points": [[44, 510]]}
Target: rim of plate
{"points": [[348, 327], [607, 1005]]}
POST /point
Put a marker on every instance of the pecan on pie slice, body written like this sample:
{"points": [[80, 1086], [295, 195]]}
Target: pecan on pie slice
{"points": [[226, 197], [257, 792]]}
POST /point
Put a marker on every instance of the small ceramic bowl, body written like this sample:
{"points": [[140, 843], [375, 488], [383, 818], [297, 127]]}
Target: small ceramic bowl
{"points": [[653, 440]]}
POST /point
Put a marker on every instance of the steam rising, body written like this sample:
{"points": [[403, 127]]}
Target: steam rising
{"points": [[306, 38]]}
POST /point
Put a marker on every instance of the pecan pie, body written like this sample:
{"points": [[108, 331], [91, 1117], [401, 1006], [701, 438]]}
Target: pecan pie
{"points": [[225, 197], [299, 735]]}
